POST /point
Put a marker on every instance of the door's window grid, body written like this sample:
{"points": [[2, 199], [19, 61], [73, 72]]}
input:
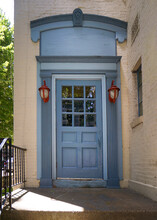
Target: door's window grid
{"points": [[79, 106]]}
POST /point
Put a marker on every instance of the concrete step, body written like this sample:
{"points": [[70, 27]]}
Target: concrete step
{"points": [[86, 215], [79, 204], [61, 183]]}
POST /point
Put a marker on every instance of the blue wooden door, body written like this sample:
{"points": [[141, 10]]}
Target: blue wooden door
{"points": [[79, 129]]}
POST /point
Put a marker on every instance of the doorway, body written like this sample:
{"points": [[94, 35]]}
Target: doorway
{"points": [[79, 129]]}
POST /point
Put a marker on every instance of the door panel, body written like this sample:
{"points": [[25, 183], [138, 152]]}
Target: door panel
{"points": [[79, 128]]}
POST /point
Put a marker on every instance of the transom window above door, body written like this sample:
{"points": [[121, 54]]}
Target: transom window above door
{"points": [[79, 106]]}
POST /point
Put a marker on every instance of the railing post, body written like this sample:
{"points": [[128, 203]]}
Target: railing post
{"points": [[24, 167], [10, 173], [5, 153], [13, 179], [15, 166]]}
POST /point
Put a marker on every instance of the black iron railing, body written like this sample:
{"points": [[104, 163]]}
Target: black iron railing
{"points": [[12, 169]]}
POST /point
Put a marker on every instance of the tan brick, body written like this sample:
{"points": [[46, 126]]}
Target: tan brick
{"points": [[143, 155]]}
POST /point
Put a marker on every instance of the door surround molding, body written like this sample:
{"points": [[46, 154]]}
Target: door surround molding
{"points": [[101, 77]]}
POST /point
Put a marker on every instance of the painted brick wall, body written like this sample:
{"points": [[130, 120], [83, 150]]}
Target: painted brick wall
{"points": [[143, 136], [26, 68], [122, 51]]}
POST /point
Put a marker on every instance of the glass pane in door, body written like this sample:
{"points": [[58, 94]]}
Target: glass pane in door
{"points": [[66, 91], [78, 106], [79, 120], [80, 102], [90, 92], [78, 91]]}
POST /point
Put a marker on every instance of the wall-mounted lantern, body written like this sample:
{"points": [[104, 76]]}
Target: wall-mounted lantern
{"points": [[113, 92], [44, 92]]}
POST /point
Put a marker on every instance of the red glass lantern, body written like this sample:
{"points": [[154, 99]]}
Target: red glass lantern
{"points": [[113, 92], [44, 92]]}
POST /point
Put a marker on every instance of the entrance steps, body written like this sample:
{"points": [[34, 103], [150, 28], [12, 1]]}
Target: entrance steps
{"points": [[79, 204], [91, 215], [74, 183]]}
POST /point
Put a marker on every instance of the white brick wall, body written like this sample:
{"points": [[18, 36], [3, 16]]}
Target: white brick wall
{"points": [[143, 138], [122, 51]]}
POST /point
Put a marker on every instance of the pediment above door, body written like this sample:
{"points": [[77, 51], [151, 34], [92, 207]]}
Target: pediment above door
{"points": [[79, 34]]}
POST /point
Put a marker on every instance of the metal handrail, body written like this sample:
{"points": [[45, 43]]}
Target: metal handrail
{"points": [[4, 168], [12, 169], [20, 148], [3, 143]]}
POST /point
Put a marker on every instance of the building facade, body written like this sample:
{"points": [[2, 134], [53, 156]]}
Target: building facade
{"points": [[79, 48]]}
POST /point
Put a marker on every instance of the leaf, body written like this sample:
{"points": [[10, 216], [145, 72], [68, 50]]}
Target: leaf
{"points": [[6, 76]]}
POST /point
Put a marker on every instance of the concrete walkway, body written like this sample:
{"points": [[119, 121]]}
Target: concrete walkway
{"points": [[80, 200]]}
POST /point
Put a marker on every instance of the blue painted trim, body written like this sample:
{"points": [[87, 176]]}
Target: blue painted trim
{"points": [[114, 131], [45, 183], [50, 19], [49, 73], [87, 17], [113, 183], [89, 40], [78, 59], [120, 33], [46, 127], [39, 136], [64, 21], [112, 146], [77, 17], [79, 66], [105, 19]]}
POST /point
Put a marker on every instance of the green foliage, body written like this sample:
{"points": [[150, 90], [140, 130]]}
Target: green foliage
{"points": [[6, 77], [7, 190]]}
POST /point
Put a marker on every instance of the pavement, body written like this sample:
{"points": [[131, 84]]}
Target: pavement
{"points": [[80, 200], [79, 204]]}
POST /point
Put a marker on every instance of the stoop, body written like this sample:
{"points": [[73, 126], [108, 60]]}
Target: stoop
{"points": [[79, 204], [87, 215]]}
